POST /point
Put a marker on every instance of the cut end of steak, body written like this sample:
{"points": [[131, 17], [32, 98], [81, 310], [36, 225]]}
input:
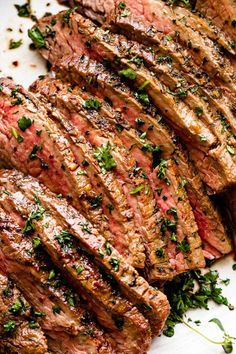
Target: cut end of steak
{"points": [[19, 332], [134, 287]]}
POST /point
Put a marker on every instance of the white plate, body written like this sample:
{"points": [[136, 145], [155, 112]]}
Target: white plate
{"points": [[30, 65]]}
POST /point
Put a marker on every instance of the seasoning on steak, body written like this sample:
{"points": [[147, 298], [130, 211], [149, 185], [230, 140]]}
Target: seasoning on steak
{"points": [[103, 46], [44, 152], [163, 22], [222, 13], [106, 86], [58, 308], [178, 214], [19, 332], [135, 288]]}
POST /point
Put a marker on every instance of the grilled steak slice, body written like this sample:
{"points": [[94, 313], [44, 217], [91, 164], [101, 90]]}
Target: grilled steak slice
{"points": [[164, 21], [18, 334], [133, 182], [45, 152], [85, 31], [57, 308], [212, 168], [132, 285], [104, 44], [159, 266], [124, 322], [222, 13], [105, 86]]}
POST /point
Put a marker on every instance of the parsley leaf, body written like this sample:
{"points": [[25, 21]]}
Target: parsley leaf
{"points": [[37, 37], [104, 157], [24, 123]]}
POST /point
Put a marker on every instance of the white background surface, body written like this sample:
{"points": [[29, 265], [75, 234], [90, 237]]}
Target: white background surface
{"points": [[30, 65]]}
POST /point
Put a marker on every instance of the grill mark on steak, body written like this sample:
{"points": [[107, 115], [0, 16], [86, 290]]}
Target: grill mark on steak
{"points": [[162, 20], [52, 163], [71, 68], [185, 225], [32, 272], [135, 288], [222, 13], [123, 321], [104, 85], [23, 339], [58, 94], [101, 47], [216, 156], [125, 217]]}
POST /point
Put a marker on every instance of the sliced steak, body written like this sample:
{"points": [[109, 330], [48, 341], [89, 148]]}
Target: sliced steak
{"points": [[160, 266], [132, 180], [56, 306], [84, 31], [164, 21], [222, 13], [103, 45], [18, 332], [44, 152], [107, 87], [213, 169], [125, 324], [132, 285]]}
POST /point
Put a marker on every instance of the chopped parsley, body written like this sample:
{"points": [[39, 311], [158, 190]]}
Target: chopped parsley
{"points": [[115, 263], [65, 240], [18, 137], [24, 123], [15, 44], [199, 111], [37, 37], [66, 15], [33, 153], [79, 269], [137, 189], [37, 214], [36, 242], [142, 97], [96, 201], [119, 127], [105, 159], [9, 326], [17, 306], [56, 309], [162, 169], [92, 103], [128, 74], [183, 246], [121, 5], [164, 59], [160, 253], [230, 149], [126, 13], [23, 10], [183, 294], [108, 248]]}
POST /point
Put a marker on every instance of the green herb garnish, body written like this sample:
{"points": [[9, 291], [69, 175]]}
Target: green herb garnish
{"points": [[92, 103], [23, 10], [128, 74], [37, 37], [105, 159], [24, 123], [15, 44]]}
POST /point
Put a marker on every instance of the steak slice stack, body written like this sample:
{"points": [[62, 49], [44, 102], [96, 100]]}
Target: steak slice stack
{"points": [[222, 13], [109, 88], [19, 332], [203, 142], [182, 220], [49, 153], [135, 288]]}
